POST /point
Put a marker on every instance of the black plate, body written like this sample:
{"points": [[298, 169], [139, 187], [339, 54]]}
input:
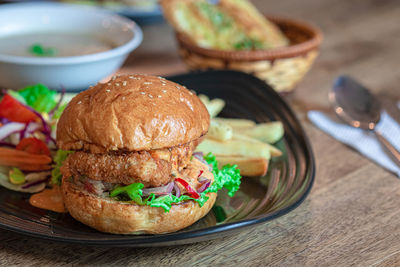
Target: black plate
{"points": [[289, 179]]}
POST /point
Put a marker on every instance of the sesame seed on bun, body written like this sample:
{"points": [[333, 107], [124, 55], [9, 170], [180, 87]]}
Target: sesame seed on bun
{"points": [[131, 113]]}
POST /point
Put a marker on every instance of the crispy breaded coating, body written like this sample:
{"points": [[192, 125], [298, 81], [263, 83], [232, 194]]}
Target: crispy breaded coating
{"points": [[152, 168]]}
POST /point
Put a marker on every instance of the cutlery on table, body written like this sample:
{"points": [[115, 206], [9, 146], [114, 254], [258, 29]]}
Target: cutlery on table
{"points": [[359, 108]]}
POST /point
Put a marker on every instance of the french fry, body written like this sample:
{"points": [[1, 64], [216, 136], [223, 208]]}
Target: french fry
{"points": [[213, 106], [219, 131], [216, 105], [236, 147], [247, 166], [204, 99], [269, 132], [273, 150], [236, 123]]}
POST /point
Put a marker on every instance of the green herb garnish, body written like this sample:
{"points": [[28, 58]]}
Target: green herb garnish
{"points": [[217, 18], [40, 51], [248, 44]]}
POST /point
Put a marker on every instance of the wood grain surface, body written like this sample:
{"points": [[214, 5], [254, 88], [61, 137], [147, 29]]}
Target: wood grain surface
{"points": [[352, 216]]}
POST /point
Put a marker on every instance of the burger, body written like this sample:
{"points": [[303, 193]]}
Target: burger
{"points": [[131, 166]]}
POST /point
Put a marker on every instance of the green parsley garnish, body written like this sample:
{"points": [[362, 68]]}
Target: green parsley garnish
{"points": [[40, 51]]}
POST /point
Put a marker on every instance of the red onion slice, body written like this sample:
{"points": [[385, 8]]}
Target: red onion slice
{"points": [[10, 128], [204, 186], [202, 179], [4, 120], [177, 190], [162, 190], [36, 182], [199, 156], [33, 127]]}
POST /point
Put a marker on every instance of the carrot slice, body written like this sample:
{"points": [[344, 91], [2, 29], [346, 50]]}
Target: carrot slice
{"points": [[35, 167], [23, 160]]}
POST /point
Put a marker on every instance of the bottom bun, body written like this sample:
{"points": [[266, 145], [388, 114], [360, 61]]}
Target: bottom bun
{"points": [[107, 215]]}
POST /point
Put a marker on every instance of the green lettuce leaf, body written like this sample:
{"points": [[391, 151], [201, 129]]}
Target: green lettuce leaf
{"points": [[59, 158], [133, 191], [59, 111], [228, 176], [39, 97], [166, 202]]}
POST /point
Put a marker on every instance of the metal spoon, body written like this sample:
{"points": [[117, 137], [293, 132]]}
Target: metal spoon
{"points": [[359, 108]]}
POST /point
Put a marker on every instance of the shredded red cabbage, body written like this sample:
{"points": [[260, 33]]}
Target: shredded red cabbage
{"points": [[23, 132], [2, 143], [51, 112], [46, 128]]}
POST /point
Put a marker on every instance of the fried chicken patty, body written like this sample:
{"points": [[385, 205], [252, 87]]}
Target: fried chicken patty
{"points": [[152, 168]]}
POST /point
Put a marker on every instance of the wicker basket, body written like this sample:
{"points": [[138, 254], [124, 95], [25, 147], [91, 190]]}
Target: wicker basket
{"points": [[282, 68]]}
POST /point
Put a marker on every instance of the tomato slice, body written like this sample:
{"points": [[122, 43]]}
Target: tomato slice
{"points": [[34, 146], [13, 110], [188, 188]]}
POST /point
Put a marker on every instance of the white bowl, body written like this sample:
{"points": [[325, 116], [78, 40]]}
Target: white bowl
{"points": [[73, 72]]}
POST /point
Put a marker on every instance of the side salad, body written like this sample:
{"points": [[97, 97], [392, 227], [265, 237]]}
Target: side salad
{"points": [[28, 120]]}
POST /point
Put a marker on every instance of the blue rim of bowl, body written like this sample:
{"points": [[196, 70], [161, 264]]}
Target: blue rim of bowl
{"points": [[127, 47]]}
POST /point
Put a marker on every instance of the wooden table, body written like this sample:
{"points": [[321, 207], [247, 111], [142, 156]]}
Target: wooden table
{"points": [[352, 215]]}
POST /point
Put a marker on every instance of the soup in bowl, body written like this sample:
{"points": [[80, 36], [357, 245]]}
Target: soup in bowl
{"points": [[62, 45]]}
